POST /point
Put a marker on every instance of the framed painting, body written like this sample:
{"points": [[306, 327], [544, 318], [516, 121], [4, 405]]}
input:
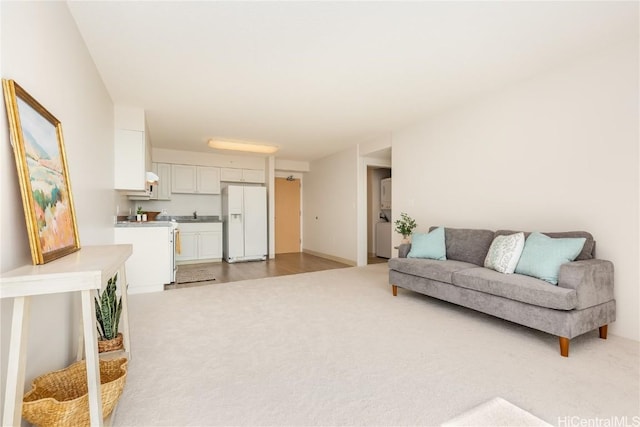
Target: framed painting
{"points": [[38, 147]]}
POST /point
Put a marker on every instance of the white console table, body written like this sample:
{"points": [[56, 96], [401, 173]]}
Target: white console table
{"points": [[85, 271]]}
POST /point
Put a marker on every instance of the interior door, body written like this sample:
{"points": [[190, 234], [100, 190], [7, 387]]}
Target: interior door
{"points": [[287, 196]]}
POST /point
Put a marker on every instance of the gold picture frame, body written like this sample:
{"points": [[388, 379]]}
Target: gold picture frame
{"points": [[38, 147]]}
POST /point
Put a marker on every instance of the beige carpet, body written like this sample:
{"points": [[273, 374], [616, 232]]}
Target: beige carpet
{"points": [[336, 348], [497, 412]]}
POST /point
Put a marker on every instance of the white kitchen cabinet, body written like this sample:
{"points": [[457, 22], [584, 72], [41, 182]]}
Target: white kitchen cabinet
{"points": [[195, 179], [210, 244], [200, 242], [131, 154], [385, 193], [242, 175], [253, 176], [230, 174], [150, 266], [183, 179], [207, 180], [161, 190], [129, 160], [188, 246]]}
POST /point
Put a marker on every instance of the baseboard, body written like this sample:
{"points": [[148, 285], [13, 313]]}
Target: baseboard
{"points": [[331, 257]]}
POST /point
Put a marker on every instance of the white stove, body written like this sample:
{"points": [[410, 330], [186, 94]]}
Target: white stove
{"points": [[173, 240]]}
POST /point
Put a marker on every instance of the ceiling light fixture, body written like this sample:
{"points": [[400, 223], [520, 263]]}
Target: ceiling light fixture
{"points": [[241, 146]]}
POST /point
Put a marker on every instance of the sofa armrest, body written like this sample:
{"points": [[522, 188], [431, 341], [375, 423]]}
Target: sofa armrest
{"points": [[592, 280], [403, 250]]}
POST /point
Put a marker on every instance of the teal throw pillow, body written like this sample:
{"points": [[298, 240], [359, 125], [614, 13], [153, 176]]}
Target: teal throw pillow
{"points": [[542, 256], [428, 245]]}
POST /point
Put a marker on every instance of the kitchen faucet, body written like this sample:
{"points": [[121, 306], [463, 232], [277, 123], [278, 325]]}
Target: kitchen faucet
{"points": [[195, 214]]}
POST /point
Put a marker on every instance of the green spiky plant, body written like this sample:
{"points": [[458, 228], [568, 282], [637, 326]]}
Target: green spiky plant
{"points": [[405, 225], [108, 309]]}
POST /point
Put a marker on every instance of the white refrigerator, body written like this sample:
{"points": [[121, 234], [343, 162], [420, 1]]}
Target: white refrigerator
{"points": [[244, 216]]}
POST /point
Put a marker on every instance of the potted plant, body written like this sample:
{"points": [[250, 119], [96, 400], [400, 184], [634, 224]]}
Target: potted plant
{"points": [[139, 214], [108, 310], [405, 226]]}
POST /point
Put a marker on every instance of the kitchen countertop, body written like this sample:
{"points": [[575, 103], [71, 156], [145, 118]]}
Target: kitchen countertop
{"points": [[143, 224], [203, 218], [166, 221]]}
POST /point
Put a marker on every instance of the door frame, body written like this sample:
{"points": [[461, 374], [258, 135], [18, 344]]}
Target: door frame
{"points": [[364, 162]]}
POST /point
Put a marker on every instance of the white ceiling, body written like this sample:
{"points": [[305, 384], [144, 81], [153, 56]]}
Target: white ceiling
{"points": [[316, 77]]}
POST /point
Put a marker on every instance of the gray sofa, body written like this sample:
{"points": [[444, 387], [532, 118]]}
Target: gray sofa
{"points": [[582, 301]]}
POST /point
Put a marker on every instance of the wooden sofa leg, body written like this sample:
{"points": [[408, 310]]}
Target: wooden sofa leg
{"points": [[394, 289], [564, 346], [603, 332]]}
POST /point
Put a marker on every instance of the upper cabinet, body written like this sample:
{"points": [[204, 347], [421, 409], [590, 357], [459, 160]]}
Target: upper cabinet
{"points": [[195, 179], [129, 160], [130, 149], [242, 175], [183, 179], [161, 190], [207, 180]]}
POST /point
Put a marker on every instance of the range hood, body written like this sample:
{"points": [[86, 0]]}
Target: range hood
{"points": [[150, 179], [138, 195]]}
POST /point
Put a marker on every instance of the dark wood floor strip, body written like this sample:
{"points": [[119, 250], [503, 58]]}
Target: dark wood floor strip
{"points": [[282, 265]]}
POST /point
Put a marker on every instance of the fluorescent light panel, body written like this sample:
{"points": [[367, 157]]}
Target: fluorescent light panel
{"points": [[241, 146]]}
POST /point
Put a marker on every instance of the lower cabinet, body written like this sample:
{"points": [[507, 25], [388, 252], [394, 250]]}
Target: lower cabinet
{"points": [[188, 245], [210, 244], [200, 242]]}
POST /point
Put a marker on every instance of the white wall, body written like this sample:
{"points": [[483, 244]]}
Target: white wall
{"points": [[558, 152], [330, 206], [291, 165], [183, 204], [42, 50]]}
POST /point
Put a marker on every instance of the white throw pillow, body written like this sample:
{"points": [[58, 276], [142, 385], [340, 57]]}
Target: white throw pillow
{"points": [[504, 253]]}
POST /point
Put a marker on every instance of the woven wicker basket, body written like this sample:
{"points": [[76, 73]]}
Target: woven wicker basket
{"points": [[110, 345], [61, 398]]}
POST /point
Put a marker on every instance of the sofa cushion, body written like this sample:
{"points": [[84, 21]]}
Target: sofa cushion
{"points": [[504, 253], [542, 256], [430, 245], [429, 268], [467, 245], [588, 250], [516, 287]]}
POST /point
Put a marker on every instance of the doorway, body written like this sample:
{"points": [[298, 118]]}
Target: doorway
{"points": [[287, 212], [378, 216]]}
